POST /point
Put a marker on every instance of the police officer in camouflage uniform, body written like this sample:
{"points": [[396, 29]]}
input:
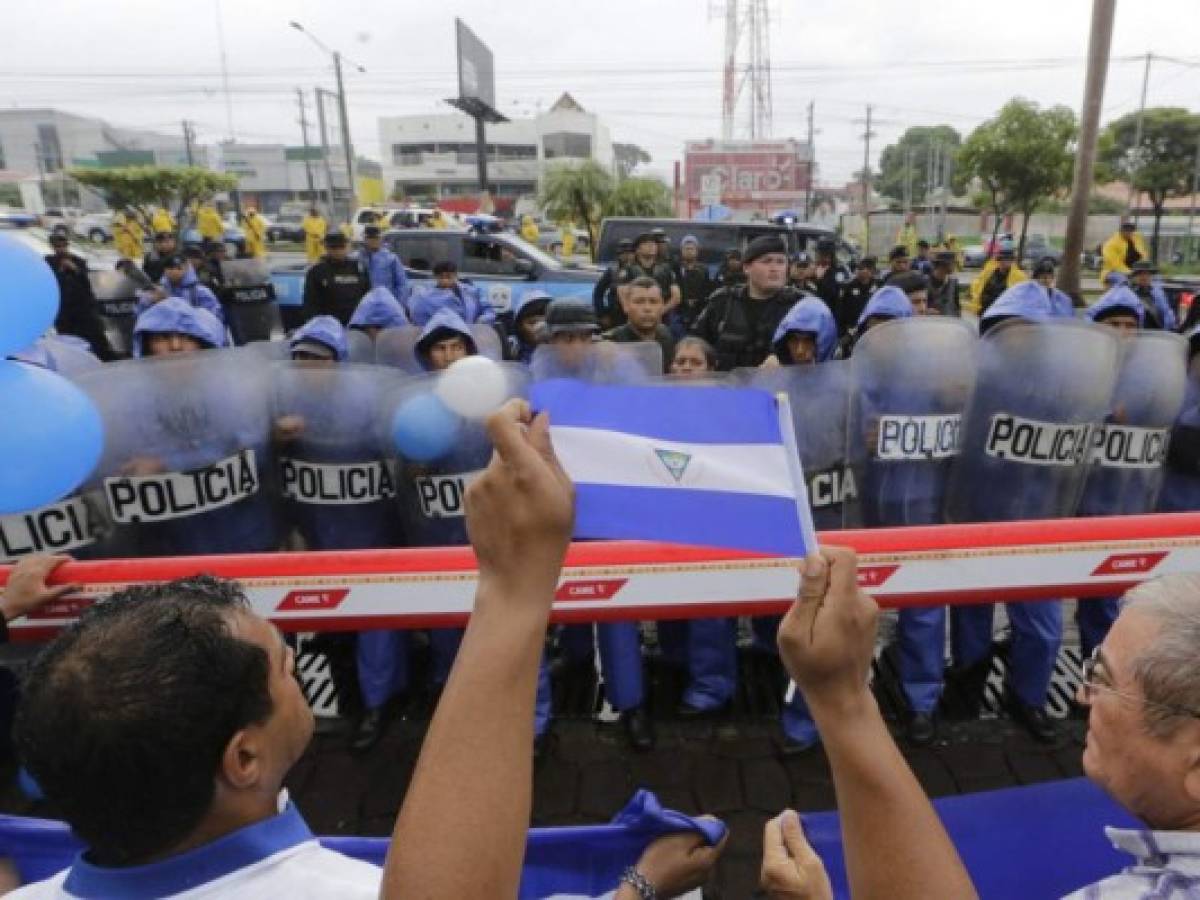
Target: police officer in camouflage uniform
{"points": [[604, 296]]}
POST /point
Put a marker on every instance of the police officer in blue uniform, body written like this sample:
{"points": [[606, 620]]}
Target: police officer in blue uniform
{"points": [[1181, 479], [381, 266], [464, 300], [1149, 290], [339, 492], [528, 317]]}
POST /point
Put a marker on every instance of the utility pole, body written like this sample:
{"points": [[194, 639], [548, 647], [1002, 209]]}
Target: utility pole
{"points": [[341, 89], [312, 199], [908, 180], [41, 164], [187, 142], [1191, 243], [1137, 137], [866, 184], [1099, 43], [324, 131], [812, 158]]}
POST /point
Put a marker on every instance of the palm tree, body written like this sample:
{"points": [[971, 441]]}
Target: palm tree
{"points": [[577, 193]]}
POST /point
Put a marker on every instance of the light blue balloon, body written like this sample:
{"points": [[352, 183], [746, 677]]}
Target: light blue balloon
{"points": [[424, 429], [28, 296], [51, 438]]}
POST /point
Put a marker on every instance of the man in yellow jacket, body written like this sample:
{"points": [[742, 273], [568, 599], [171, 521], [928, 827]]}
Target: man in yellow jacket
{"points": [[997, 276], [567, 230], [128, 235], [209, 224], [1122, 250], [314, 228], [256, 233], [907, 237], [529, 230], [162, 220]]}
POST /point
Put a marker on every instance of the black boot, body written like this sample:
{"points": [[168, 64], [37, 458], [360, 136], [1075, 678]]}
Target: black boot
{"points": [[639, 728], [965, 685], [921, 729], [1035, 719], [370, 729]]}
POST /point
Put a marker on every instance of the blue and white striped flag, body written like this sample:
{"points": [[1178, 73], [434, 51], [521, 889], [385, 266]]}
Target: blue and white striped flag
{"points": [[709, 466]]}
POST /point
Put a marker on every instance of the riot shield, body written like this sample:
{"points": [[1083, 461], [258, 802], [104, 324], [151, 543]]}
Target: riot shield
{"points": [[1040, 391], [116, 297], [362, 348], [248, 297], [75, 525], [820, 399], [70, 357], [337, 480], [1181, 478], [911, 382], [186, 467], [1130, 449], [602, 362], [438, 453], [397, 347]]}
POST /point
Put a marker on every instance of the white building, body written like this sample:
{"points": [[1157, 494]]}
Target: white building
{"points": [[34, 141], [434, 157]]}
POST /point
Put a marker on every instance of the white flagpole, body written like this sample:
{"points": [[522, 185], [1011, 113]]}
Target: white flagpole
{"points": [[808, 530]]}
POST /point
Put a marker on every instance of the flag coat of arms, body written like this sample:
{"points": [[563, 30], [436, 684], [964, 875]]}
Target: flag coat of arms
{"points": [[688, 465]]}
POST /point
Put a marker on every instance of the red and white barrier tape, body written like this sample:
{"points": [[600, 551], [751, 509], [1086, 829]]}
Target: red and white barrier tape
{"points": [[609, 581]]}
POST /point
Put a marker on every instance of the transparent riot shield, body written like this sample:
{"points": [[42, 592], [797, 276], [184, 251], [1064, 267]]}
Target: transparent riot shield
{"points": [[336, 478], [911, 382], [602, 362], [397, 347], [186, 467], [438, 452], [248, 297], [1129, 450], [1181, 476], [819, 396], [116, 297], [362, 348], [1040, 391]]}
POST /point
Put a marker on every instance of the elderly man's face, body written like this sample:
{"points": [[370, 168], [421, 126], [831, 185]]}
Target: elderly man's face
{"points": [[1155, 778]]}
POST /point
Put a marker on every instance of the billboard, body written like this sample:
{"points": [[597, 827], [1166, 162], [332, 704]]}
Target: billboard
{"points": [[754, 176], [476, 71]]}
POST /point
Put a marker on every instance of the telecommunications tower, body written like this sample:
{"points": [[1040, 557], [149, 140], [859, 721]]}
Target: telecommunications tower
{"points": [[747, 67]]}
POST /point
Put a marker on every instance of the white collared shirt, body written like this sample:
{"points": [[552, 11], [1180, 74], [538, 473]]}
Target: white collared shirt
{"points": [[1166, 867]]}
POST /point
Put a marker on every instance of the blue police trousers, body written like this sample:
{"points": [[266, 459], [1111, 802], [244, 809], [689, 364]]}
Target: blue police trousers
{"points": [[1095, 617], [382, 658], [922, 643], [1037, 629], [620, 658], [708, 647], [796, 720]]}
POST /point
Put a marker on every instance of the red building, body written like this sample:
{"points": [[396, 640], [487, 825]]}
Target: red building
{"points": [[763, 177]]}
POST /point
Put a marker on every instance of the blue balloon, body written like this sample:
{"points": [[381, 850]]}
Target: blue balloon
{"points": [[28, 296], [51, 440], [424, 429]]}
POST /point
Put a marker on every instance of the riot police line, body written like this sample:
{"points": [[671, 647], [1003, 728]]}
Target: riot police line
{"points": [[248, 450]]}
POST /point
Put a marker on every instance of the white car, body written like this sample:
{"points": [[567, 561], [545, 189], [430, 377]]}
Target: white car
{"points": [[96, 227], [38, 240]]}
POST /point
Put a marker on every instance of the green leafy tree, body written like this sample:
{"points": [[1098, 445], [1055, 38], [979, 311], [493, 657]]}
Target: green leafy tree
{"points": [[577, 194], [628, 157], [1161, 165], [141, 188], [911, 154], [1021, 157], [642, 197]]}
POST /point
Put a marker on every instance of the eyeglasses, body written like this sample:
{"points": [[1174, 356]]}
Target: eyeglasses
{"points": [[1095, 678]]}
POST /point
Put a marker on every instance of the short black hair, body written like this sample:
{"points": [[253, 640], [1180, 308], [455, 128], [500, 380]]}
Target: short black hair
{"points": [[647, 283], [126, 715], [445, 267]]}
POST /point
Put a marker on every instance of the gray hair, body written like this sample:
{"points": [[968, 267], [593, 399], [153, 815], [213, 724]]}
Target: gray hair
{"points": [[1168, 670]]}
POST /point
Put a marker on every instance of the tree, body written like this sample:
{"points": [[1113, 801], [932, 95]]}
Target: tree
{"points": [[577, 194], [1022, 156], [646, 198], [628, 157], [141, 187], [1161, 165], [910, 156]]}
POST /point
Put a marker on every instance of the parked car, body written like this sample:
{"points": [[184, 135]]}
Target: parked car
{"points": [[286, 227], [974, 256], [96, 227], [61, 218], [1037, 248], [17, 218], [550, 240], [503, 266]]}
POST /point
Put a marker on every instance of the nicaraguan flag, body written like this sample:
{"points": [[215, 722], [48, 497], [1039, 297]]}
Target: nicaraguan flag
{"points": [[687, 465]]}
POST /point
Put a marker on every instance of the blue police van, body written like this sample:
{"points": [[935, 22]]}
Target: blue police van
{"points": [[502, 265]]}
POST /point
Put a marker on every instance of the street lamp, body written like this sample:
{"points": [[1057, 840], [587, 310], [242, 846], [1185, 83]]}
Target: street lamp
{"points": [[342, 115]]}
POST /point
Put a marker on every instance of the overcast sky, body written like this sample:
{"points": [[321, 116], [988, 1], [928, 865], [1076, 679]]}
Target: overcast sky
{"points": [[652, 69]]}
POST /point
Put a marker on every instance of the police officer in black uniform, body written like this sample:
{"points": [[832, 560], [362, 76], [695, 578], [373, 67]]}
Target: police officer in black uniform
{"points": [[943, 285], [854, 296], [740, 320], [604, 296], [648, 264], [334, 285], [731, 271], [830, 275], [154, 263], [78, 312], [695, 286]]}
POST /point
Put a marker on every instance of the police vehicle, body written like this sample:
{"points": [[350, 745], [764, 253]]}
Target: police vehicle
{"points": [[716, 237], [503, 266]]}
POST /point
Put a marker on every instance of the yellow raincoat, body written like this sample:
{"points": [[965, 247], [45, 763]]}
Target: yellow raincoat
{"points": [[529, 230], [1113, 254], [162, 220], [209, 224], [314, 228], [1015, 276], [568, 239], [256, 234], [128, 236]]}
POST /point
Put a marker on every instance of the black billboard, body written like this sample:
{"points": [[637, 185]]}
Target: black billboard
{"points": [[476, 71]]}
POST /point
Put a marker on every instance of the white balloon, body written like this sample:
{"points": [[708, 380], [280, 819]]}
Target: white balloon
{"points": [[473, 387]]}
